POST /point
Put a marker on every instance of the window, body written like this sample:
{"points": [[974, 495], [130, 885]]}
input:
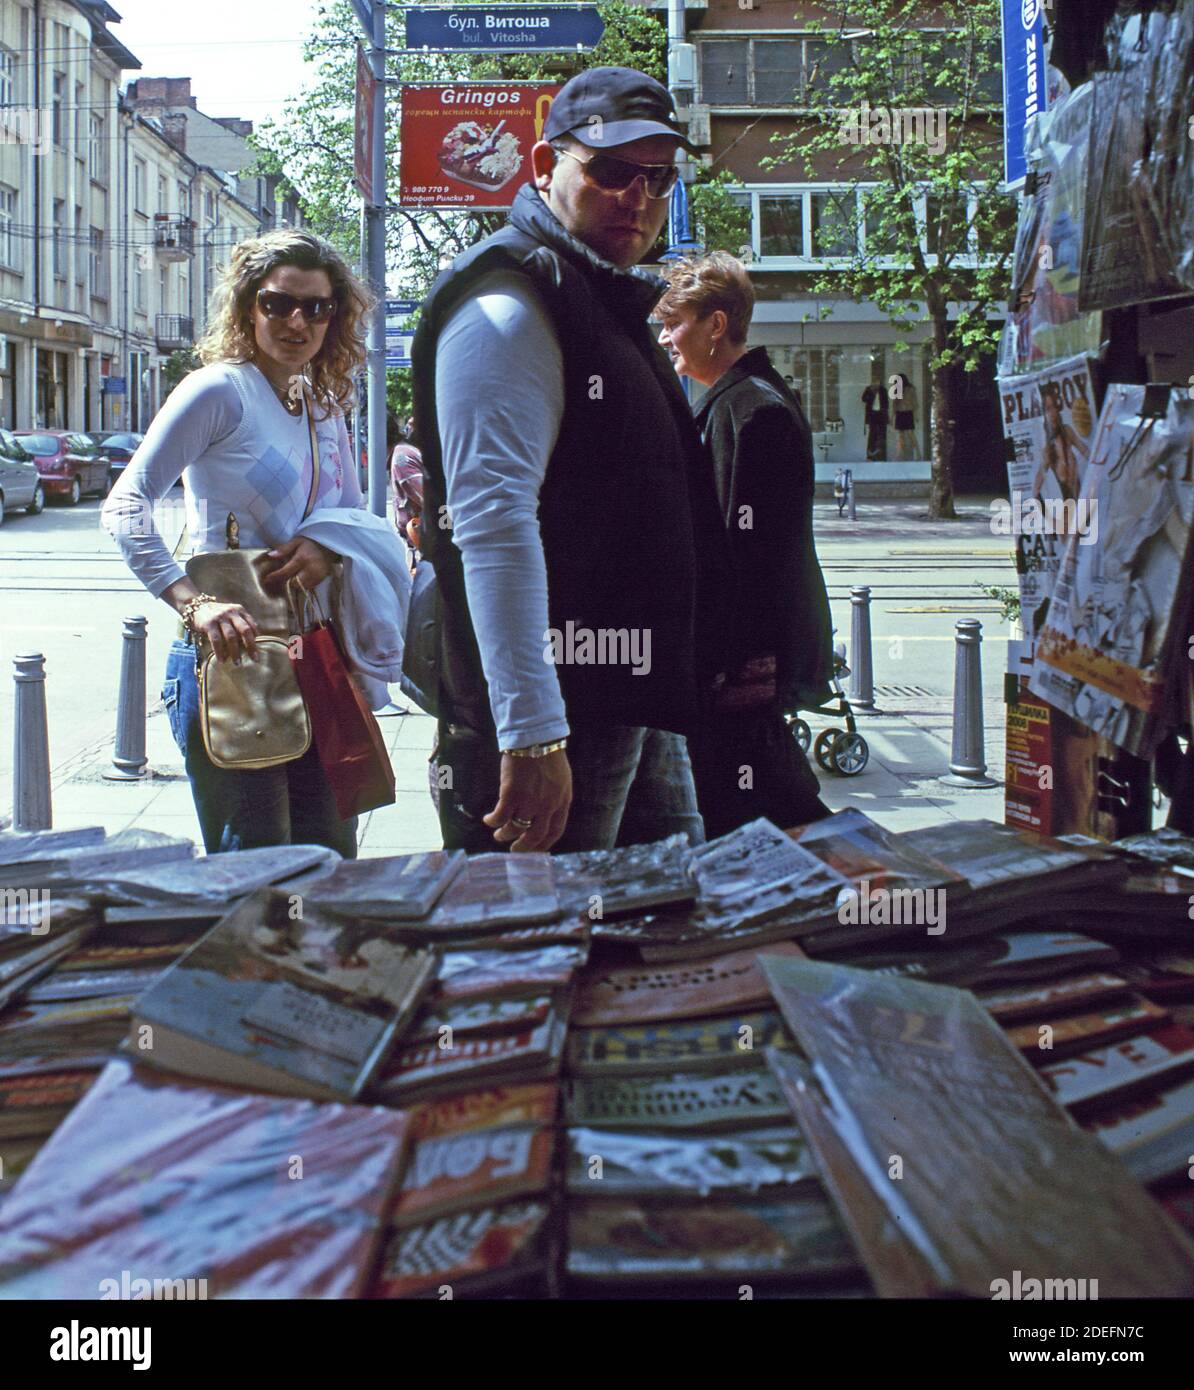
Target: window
{"points": [[138, 281], [95, 151], [163, 291], [58, 250], [9, 242], [724, 64], [946, 224], [781, 224], [778, 71], [163, 198], [79, 263], [885, 237], [78, 118], [823, 58], [209, 207], [99, 265], [184, 200], [962, 67], [832, 219], [8, 77], [57, 101], [770, 71], [139, 172]]}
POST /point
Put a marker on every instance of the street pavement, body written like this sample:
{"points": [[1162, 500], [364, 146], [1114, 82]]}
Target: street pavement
{"points": [[64, 591]]}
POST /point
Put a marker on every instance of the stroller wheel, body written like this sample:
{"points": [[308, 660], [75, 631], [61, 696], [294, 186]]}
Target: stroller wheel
{"points": [[850, 754], [822, 749], [801, 733]]}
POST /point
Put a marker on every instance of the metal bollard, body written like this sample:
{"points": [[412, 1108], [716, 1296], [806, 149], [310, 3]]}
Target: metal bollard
{"points": [[968, 762], [850, 512], [129, 760], [31, 809], [862, 681]]}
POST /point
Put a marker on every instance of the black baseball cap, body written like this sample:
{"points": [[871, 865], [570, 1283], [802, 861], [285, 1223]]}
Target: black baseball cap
{"points": [[612, 106]]}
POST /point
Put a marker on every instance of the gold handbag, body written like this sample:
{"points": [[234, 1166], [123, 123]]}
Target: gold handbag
{"points": [[251, 713]]}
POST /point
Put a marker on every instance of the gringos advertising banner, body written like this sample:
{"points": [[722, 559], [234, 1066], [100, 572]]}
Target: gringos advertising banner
{"points": [[468, 144]]}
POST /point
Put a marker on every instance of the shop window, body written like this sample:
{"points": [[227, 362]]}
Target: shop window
{"points": [[817, 378]]}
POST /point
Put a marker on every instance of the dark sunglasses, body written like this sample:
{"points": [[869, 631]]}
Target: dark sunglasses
{"points": [[276, 305], [616, 175]]}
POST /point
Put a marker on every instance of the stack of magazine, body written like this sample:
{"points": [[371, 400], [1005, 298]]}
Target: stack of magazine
{"points": [[650, 1071]]}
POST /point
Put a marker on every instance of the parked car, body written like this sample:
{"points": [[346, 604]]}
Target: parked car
{"points": [[20, 481], [70, 464], [118, 447]]}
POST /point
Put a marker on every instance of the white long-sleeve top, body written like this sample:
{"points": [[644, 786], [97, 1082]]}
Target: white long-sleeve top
{"points": [[224, 431]]}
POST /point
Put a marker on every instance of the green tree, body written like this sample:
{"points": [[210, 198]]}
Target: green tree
{"points": [[312, 145], [182, 362], [917, 265], [720, 221]]}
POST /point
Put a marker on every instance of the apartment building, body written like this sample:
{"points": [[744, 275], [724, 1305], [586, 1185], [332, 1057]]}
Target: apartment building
{"points": [[111, 228], [749, 76]]}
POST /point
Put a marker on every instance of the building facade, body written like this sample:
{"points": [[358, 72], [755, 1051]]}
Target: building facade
{"points": [[114, 217], [751, 71]]}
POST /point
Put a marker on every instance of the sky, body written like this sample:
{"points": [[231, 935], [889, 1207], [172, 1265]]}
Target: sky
{"points": [[244, 57]]}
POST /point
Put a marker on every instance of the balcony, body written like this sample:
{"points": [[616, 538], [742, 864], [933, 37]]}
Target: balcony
{"points": [[174, 237], [173, 331]]}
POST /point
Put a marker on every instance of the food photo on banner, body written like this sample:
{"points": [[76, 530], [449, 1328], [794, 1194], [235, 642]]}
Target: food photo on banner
{"points": [[468, 144]]}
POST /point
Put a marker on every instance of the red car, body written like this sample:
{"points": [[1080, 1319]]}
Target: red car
{"points": [[70, 464]]}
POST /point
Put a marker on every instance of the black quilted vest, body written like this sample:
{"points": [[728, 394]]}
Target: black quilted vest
{"points": [[628, 511]]}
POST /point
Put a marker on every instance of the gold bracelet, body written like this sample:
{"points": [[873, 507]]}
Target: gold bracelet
{"points": [[536, 750], [188, 609]]}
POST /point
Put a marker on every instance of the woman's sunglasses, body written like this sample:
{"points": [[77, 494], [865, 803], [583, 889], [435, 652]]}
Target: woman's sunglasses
{"points": [[276, 305], [616, 175]]}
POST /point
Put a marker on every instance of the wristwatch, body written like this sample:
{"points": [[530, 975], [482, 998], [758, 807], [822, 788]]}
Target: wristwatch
{"points": [[536, 750]]}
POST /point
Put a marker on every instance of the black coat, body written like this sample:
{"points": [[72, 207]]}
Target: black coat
{"points": [[760, 448]]}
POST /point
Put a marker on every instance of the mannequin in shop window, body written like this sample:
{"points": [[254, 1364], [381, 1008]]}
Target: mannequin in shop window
{"points": [[903, 396], [874, 405]]}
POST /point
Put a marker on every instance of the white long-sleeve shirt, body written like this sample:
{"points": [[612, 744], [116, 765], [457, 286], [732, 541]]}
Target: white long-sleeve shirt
{"points": [[224, 431], [499, 399]]}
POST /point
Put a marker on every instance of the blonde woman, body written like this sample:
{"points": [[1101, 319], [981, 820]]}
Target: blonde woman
{"points": [[758, 447], [286, 326]]}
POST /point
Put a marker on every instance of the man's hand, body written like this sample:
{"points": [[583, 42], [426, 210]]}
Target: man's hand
{"points": [[538, 790], [301, 559]]}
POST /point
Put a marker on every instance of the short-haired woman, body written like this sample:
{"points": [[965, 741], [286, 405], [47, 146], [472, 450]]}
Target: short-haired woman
{"points": [[760, 450], [286, 328]]}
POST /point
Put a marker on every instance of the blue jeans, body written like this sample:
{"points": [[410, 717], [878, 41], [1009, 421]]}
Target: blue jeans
{"points": [[630, 786], [288, 804]]}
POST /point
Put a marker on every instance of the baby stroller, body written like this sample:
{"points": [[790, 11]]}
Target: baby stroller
{"points": [[836, 750]]}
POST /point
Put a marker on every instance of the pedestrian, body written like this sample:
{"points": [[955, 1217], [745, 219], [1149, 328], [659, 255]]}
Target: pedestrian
{"points": [[406, 474], [570, 520], [286, 330], [779, 655]]}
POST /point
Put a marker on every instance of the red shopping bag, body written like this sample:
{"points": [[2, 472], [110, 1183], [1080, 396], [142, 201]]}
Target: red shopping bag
{"points": [[346, 735]]}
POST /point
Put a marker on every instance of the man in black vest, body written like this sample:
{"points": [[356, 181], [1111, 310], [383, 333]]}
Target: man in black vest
{"points": [[573, 529]]}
